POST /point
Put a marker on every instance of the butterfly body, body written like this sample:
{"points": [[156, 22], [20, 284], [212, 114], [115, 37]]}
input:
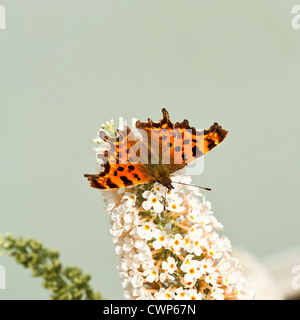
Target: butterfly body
{"points": [[161, 173], [163, 149]]}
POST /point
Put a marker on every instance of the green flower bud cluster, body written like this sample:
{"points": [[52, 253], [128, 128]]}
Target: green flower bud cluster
{"points": [[65, 283]]}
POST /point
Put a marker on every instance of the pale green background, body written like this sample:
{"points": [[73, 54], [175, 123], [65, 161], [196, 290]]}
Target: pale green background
{"points": [[67, 66]]}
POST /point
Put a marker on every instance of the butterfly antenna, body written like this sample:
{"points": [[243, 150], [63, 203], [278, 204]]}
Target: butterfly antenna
{"points": [[192, 185]]}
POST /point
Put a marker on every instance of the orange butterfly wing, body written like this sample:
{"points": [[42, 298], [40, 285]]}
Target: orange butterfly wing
{"points": [[180, 143], [119, 176], [131, 160]]}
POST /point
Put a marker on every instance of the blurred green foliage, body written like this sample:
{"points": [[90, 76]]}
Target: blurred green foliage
{"points": [[66, 283]]}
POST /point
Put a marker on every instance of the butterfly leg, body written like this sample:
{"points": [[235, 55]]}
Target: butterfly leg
{"points": [[165, 199]]}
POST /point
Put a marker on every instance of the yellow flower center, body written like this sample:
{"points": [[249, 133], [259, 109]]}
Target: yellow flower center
{"points": [[192, 271]]}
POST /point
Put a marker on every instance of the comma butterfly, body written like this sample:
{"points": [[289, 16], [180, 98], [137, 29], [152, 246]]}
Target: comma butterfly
{"points": [[152, 152]]}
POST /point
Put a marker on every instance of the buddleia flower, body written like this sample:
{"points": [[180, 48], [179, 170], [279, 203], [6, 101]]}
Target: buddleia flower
{"points": [[168, 244]]}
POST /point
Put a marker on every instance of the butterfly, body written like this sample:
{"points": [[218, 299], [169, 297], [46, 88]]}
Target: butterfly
{"points": [[152, 152]]}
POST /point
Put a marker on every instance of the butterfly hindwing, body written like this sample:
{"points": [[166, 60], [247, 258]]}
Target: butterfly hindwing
{"points": [[119, 176]]}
